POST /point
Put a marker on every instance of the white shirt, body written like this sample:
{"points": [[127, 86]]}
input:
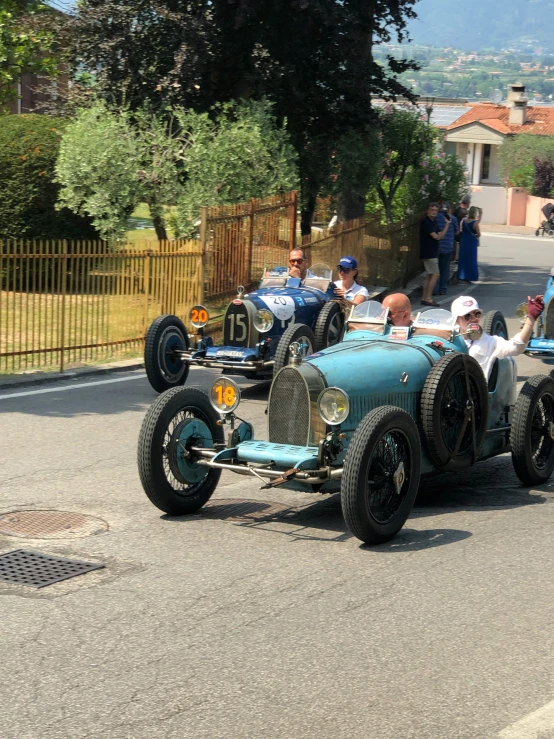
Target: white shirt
{"points": [[488, 348], [353, 291]]}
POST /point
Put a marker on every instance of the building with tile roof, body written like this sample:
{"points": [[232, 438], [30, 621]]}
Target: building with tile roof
{"points": [[477, 135]]}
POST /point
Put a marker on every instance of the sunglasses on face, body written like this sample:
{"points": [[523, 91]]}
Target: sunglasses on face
{"points": [[296, 261], [346, 270], [473, 314]]}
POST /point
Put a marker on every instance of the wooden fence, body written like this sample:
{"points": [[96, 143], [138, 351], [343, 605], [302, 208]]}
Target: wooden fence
{"points": [[65, 303], [240, 240], [387, 256]]}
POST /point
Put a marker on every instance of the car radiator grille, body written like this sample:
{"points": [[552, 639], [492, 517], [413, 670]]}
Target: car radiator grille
{"points": [[361, 405], [289, 409]]}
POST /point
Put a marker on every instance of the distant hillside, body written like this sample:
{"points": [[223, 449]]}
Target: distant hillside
{"points": [[480, 24]]}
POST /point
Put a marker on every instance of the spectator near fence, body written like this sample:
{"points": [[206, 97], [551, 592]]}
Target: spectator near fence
{"points": [[446, 249], [429, 236]]}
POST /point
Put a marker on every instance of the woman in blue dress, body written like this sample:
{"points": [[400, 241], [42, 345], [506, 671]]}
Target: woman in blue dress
{"points": [[470, 232]]}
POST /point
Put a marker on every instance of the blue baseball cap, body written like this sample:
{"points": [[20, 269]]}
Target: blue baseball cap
{"points": [[348, 263]]}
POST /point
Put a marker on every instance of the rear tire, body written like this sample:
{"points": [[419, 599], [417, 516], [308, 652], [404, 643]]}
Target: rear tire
{"points": [[381, 475], [166, 336], [159, 438], [532, 434], [329, 327], [494, 324], [297, 332]]}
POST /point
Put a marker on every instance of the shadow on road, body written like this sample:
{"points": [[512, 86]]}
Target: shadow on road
{"points": [[321, 521], [411, 540], [486, 485]]}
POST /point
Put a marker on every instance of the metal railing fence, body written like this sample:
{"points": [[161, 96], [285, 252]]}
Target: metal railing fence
{"points": [[71, 302], [240, 240]]}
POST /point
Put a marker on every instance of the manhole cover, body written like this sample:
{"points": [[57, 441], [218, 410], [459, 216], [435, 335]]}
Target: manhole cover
{"points": [[245, 510], [37, 570], [50, 524]]}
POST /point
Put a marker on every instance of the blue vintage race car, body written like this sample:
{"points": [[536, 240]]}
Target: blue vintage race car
{"points": [[368, 416], [258, 329], [542, 340]]}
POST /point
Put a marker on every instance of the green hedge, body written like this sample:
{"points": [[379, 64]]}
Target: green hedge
{"points": [[28, 149]]}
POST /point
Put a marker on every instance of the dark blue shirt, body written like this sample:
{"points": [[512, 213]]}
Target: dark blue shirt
{"points": [[446, 244], [428, 246]]}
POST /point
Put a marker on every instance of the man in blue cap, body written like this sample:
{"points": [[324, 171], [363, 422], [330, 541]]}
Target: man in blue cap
{"points": [[347, 288]]}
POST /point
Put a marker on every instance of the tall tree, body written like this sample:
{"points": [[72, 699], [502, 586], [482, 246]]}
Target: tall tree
{"points": [[312, 58], [406, 139]]}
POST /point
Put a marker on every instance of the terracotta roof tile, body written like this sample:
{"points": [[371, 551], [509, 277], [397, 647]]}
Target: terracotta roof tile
{"points": [[540, 121]]}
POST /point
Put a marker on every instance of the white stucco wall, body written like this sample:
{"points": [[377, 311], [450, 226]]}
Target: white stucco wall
{"points": [[493, 199]]}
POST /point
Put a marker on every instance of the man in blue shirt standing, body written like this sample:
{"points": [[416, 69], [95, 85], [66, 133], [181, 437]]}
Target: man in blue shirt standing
{"points": [[429, 236], [446, 248]]}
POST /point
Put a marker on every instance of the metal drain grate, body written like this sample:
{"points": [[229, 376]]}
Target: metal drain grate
{"points": [[23, 567], [50, 524]]}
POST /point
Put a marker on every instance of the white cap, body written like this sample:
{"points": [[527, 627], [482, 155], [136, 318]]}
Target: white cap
{"points": [[462, 305]]}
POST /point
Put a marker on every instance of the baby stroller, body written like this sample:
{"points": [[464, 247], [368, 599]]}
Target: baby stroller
{"points": [[548, 225]]}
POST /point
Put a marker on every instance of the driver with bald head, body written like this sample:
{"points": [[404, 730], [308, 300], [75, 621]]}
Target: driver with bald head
{"points": [[400, 309]]}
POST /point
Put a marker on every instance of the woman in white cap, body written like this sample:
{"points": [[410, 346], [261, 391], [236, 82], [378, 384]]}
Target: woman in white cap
{"points": [[486, 348], [347, 287]]}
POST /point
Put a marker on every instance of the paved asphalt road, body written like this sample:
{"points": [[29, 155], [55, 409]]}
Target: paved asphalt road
{"points": [[209, 627]]}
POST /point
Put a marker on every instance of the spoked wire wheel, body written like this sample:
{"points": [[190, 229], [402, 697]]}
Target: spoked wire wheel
{"points": [[179, 421], [329, 327], [297, 332], [454, 411], [381, 475], [532, 435], [388, 476]]}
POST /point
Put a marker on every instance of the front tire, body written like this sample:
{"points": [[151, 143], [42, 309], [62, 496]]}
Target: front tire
{"points": [[329, 327], [173, 481], [532, 434], [165, 338], [454, 421], [381, 475], [494, 324], [297, 332]]}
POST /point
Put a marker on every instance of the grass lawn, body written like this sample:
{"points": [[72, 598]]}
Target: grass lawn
{"points": [[139, 225], [30, 322]]}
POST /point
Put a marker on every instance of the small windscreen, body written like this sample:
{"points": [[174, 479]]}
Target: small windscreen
{"points": [[370, 311], [319, 277], [274, 277], [320, 271], [437, 318]]}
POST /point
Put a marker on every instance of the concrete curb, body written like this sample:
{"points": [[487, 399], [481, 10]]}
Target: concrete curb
{"points": [[456, 290], [18, 381]]}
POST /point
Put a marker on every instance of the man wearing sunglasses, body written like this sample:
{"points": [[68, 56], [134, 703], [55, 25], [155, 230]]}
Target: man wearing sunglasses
{"points": [[298, 264], [485, 348]]}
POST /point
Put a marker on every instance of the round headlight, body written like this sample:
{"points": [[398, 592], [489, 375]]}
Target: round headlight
{"points": [[225, 395], [263, 320], [333, 406], [199, 316]]}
